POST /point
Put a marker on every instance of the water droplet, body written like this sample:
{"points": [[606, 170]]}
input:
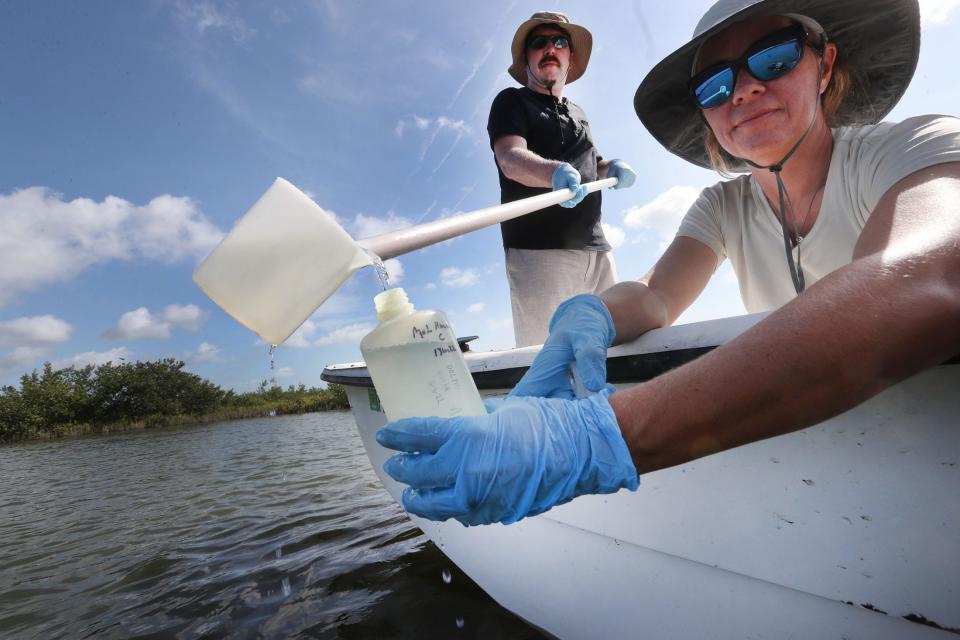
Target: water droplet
{"points": [[447, 578], [380, 269], [459, 622], [285, 584], [279, 553], [273, 377]]}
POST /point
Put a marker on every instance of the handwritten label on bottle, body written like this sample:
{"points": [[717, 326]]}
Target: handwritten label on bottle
{"points": [[436, 332], [429, 328]]}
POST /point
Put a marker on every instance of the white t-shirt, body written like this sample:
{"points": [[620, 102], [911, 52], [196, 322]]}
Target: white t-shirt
{"points": [[735, 220]]}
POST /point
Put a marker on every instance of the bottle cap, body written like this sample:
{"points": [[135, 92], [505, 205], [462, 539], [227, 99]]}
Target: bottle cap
{"points": [[392, 303]]}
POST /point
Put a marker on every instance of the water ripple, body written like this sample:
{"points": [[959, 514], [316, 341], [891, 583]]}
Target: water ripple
{"points": [[259, 528]]}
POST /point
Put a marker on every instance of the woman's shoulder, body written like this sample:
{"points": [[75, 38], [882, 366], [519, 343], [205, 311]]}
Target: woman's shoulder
{"points": [[868, 160], [735, 189], [726, 199], [913, 128]]}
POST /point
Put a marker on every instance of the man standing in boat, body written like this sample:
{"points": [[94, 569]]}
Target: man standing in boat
{"points": [[542, 141], [791, 93]]}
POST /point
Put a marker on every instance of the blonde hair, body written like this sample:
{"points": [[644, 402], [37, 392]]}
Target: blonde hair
{"points": [[841, 81]]}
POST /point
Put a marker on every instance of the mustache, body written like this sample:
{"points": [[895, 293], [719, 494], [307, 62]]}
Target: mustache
{"points": [[548, 58]]}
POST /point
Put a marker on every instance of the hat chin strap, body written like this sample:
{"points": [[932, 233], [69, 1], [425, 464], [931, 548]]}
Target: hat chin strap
{"points": [[796, 270], [546, 85]]}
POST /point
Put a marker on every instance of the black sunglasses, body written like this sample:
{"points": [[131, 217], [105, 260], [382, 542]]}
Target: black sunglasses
{"points": [[539, 42], [767, 59]]}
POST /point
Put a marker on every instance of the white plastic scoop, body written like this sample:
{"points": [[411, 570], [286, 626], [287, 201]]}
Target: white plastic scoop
{"points": [[287, 255]]}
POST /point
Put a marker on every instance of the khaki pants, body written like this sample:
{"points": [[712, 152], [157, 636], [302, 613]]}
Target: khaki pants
{"points": [[540, 279]]}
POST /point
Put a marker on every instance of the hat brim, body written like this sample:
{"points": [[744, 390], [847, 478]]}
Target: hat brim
{"points": [[581, 44], [878, 39]]}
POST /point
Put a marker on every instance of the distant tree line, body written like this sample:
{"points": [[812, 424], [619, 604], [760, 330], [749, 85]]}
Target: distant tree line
{"points": [[111, 396]]}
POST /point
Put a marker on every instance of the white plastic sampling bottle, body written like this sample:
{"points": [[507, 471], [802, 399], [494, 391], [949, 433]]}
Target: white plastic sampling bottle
{"points": [[415, 362]]}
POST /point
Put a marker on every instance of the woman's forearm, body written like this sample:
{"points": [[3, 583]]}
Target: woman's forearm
{"points": [[890, 314], [635, 309]]}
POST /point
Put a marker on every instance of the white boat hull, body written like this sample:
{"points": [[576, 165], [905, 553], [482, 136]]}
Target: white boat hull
{"points": [[842, 530]]}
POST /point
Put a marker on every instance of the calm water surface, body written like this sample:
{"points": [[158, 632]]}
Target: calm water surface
{"points": [[273, 528]]}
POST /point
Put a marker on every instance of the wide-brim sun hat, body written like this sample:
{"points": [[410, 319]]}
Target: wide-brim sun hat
{"points": [[879, 40], [581, 43]]}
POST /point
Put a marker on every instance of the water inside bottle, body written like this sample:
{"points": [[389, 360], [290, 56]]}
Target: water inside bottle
{"points": [[445, 387]]}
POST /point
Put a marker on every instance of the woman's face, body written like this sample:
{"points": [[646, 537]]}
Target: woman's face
{"points": [[763, 120]]}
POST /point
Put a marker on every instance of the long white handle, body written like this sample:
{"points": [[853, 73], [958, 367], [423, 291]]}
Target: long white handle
{"points": [[395, 243]]}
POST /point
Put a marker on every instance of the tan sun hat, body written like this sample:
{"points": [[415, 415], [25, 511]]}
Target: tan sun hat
{"points": [[581, 43], [879, 40]]}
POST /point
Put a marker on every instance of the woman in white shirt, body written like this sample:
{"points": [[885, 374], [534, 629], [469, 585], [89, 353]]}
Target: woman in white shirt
{"points": [[849, 232]]}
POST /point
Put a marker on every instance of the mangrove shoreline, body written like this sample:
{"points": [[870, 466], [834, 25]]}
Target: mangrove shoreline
{"points": [[112, 398]]}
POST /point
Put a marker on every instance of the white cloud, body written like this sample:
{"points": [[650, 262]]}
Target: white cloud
{"points": [[22, 357], [350, 334], [141, 324], [434, 127], [394, 270], [32, 331], [206, 16], [47, 240], [488, 48], [302, 337], [283, 372], [443, 123], [662, 216], [95, 358], [476, 307], [430, 286], [936, 12], [205, 352], [322, 76], [364, 226], [138, 324], [615, 235], [437, 58], [185, 316], [457, 277]]}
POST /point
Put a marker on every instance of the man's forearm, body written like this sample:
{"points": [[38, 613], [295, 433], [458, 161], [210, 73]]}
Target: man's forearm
{"points": [[602, 168], [527, 168], [861, 329]]}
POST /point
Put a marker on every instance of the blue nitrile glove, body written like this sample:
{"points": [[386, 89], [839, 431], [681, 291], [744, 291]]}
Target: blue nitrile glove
{"points": [[624, 174], [528, 455], [566, 177], [581, 329]]}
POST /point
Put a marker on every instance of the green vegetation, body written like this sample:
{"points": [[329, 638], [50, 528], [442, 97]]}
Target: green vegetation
{"points": [[114, 397]]}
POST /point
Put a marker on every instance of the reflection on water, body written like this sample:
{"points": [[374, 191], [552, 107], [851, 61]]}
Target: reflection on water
{"points": [[260, 528]]}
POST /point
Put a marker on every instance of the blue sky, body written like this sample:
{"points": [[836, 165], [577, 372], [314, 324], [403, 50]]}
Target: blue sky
{"points": [[134, 134]]}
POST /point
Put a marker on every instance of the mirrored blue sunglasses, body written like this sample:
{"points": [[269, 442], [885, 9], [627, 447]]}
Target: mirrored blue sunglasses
{"points": [[767, 59], [539, 42]]}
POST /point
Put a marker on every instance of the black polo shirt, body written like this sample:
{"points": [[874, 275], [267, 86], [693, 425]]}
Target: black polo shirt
{"points": [[556, 130]]}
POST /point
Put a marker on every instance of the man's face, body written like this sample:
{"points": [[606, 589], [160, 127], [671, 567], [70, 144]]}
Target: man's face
{"points": [[548, 64], [762, 120]]}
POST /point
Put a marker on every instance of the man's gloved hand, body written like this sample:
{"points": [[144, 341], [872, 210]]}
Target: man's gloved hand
{"points": [[566, 177], [624, 174], [581, 329], [526, 456]]}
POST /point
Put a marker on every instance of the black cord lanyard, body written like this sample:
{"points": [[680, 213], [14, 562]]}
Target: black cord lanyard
{"points": [[796, 269]]}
